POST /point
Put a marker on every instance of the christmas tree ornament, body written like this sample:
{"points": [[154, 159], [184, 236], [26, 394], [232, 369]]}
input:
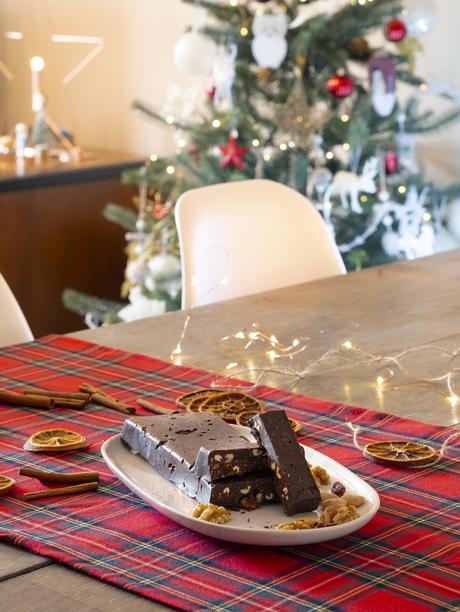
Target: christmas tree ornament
{"points": [[382, 79], [341, 85], [164, 266], [359, 48], [406, 147], [396, 30], [348, 185], [269, 45], [160, 210], [420, 16], [141, 307], [320, 180], [223, 74], [409, 47], [182, 104], [194, 52], [211, 90], [297, 120], [265, 75], [233, 154], [391, 162]]}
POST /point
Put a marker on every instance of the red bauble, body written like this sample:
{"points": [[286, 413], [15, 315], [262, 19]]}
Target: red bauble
{"points": [[391, 162], [211, 90], [396, 30], [341, 86], [233, 154]]}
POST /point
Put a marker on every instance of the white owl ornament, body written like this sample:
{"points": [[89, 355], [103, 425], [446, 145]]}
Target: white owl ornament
{"points": [[269, 45]]}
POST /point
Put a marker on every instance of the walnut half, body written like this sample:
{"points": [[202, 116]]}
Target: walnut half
{"points": [[320, 475], [211, 513], [337, 512], [302, 523]]}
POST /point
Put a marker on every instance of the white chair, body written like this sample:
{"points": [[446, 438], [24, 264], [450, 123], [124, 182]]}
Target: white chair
{"points": [[250, 236], [14, 328]]}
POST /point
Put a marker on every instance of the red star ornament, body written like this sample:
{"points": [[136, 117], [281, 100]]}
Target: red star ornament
{"points": [[233, 154]]}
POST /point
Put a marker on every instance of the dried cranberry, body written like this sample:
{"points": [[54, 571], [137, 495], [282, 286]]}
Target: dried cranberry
{"points": [[338, 489]]}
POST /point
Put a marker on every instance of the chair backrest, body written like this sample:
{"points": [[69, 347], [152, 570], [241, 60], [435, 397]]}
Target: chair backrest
{"points": [[13, 325], [250, 236]]}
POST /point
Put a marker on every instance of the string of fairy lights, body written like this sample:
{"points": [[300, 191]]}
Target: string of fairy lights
{"points": [[275, 350], [257, 340]]}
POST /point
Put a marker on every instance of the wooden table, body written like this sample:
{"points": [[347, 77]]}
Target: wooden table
{"points": [[54, 236], [384, 310]]}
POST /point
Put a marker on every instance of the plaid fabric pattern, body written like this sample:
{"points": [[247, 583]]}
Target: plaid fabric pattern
{"points": [[405, 559]]}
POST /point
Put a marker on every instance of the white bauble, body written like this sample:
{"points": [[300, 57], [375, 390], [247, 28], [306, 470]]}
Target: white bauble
{"points": [[141, 307], [269, 45], [444, 241], [135, 270], [391, 243], [194, 53], [163, 266], [420, 16], [453, 218]]}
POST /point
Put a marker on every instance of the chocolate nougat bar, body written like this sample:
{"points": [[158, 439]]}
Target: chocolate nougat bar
{"points": [[294, 482], [202, 455]]}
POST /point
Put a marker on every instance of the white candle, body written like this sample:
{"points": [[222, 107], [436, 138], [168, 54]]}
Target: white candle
{"points": [[37, 64]]}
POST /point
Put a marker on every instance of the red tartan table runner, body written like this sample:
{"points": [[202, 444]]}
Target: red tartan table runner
{"points": [[406, 558]]}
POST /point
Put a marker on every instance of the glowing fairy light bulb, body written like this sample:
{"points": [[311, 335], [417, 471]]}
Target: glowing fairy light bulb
{"points": [[453, 400], [347, 345], [380, 380]]}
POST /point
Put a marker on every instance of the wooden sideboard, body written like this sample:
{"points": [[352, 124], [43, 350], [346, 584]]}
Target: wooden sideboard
{"points": [[53, 234]]}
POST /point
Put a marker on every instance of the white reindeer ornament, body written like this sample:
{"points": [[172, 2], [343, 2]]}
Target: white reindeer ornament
{"points": [[348, 185]]}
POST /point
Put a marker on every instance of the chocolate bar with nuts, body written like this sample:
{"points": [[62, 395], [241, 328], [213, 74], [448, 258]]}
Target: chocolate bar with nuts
{"points": [[229, 459], [172, 443], [246, 492], [294, 482], [201, 444]]}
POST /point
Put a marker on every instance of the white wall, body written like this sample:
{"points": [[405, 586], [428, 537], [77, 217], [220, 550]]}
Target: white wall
{"points": [[137, 63]]}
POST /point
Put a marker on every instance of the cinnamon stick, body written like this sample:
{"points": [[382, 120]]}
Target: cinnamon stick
{"points": [[104, 399], [87, 388], [58, 394], [110, 402], [69, 403], [154, 408], [79, 488], [19, 399], [46, 476]]}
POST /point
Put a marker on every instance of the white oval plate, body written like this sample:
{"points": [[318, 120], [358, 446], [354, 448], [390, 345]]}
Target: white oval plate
{"points": [[243, 527]]}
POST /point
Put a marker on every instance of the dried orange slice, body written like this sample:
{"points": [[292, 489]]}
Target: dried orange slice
{"points": [[184, 401], [243, 418], [400, 453], [6, 484], [232, 402], [56, 440]]}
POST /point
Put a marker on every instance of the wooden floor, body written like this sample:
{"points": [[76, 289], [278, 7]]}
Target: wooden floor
{"points": [[384, 310]]}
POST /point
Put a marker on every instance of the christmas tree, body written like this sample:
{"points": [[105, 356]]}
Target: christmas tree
{"points": [[321, 95]]}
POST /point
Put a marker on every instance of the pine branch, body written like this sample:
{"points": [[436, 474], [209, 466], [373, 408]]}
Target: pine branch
{"points": [[152, 113], [82, 304], [122, 216], [417, 127]]}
